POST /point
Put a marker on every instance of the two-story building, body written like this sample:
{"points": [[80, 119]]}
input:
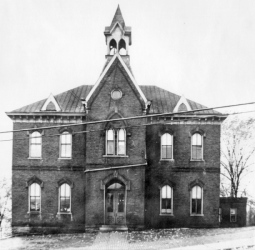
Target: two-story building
{"points": [[115, 154]]}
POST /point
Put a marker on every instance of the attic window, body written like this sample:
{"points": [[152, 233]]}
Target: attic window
{"points": [[116, 94], [51, 107]]}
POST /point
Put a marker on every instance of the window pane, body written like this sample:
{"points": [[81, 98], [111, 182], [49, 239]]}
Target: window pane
{"points": [[64, 204], [193, 209], [196, 192], [109, 202], [34, 203], [166, 139], [35, 137], [197, 139], [163, 152], [35, 189], [110, 147], [166, 192], [196, 152], [166, 203], [121, 135], [110, 134], [199, 206], [121, 148], [66, 150], [121, 200]]}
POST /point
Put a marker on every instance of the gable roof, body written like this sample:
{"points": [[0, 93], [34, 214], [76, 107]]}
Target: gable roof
{"points": [[129, 73], [163, 101]]}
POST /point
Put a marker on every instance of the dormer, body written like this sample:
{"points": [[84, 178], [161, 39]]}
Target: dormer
{"points": [[117, 35]]}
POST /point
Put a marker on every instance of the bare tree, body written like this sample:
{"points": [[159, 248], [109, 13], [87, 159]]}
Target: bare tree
{"points": [[5, 198], [237, 151]]}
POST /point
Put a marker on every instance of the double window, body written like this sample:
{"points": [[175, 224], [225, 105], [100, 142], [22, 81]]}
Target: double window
{"points": [[197, 147], [166, 200], [116, 142], [35, 143], [34, 197], [166, 146], [196, 200], [65, 145]]}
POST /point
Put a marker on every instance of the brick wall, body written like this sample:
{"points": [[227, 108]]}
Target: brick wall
{"points": [[229, 202], [182, 172]]}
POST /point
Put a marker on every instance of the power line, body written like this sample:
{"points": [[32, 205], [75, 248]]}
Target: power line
{"points": [[131, 118], [97, 130]]}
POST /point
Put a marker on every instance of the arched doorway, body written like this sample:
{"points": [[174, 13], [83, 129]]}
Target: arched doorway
{"points": [[115, 203]]}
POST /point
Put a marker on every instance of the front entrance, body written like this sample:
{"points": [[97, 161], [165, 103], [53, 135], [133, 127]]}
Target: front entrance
{"points": [[115, 204]]}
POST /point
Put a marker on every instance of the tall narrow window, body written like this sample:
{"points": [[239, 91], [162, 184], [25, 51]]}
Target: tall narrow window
{"points": [[166, 200], [65, 145], [121, 142], [65, 198], [110, 139], [35, 145], [35, 197], [196, 200], [196, 147], [166, 146]]}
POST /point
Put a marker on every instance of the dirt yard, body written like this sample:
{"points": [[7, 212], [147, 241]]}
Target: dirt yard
{"points": [[147, 239]]}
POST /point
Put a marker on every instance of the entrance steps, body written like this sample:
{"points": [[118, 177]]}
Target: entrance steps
{"points": [[110, 228]]}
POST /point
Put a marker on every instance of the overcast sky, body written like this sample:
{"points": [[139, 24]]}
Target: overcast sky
{"points": [[204, 50]]}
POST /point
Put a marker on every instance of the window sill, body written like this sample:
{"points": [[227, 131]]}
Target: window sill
{"points": [[200, 160], [197, 215], [115, 156], [64, 213], [34, 158], [65, 158], [34, 212], [167, 160], [166, 214]]}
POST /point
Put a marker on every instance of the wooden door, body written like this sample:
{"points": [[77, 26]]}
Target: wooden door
{"points": [[115, 205]]}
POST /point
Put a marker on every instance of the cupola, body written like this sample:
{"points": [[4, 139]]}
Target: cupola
{"points": [[117, 35]]}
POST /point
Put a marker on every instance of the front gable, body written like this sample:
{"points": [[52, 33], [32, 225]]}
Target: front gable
{"points": [[116, 77]]}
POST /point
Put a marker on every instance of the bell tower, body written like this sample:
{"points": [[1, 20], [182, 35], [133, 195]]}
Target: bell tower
{"points": [[117, 36]]}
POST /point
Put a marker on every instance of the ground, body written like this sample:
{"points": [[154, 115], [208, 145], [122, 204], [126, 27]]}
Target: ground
{"points": [[221, 238]]}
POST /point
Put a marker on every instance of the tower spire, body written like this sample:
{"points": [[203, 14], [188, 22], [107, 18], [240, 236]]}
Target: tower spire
{"points": [[118, 18]]}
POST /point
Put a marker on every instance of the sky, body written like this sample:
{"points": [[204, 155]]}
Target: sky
{"points": [[204, 50]]}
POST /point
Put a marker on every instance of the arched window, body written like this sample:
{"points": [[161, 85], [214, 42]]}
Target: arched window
{"points": [[65, 145], [112, 47], [121, 142], [35, 145], [196, 200], [35, 197], [122, 47], [116, 142], [166, 146], [110, 142], [196, 147], [166, 201], [65, 198]]}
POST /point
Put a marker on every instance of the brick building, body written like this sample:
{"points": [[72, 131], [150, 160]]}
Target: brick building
{"points": [[155, 171]]}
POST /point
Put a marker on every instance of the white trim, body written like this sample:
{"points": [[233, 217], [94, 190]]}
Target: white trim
{"points": [[182, 100], [128, 72], [52, 99]]}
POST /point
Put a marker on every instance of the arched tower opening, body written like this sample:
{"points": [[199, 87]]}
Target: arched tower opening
{"points": [[122, 47], [113, 47]]}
